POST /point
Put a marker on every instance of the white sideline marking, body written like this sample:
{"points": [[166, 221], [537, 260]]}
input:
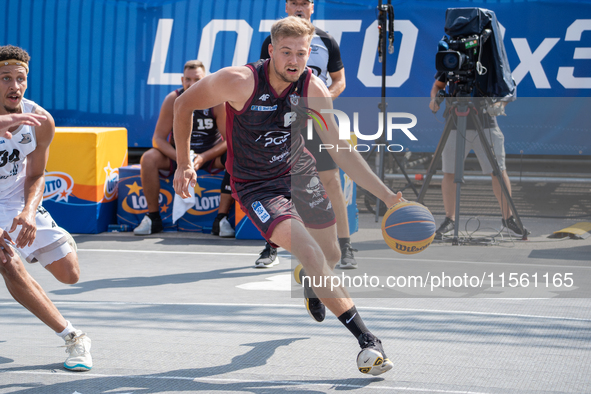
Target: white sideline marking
{"points": [[264, 382], [166, 252], [357, 257], [298, 306]]}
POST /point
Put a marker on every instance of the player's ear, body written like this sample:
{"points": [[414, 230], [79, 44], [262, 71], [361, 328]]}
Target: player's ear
{"points": [[270, 50]]}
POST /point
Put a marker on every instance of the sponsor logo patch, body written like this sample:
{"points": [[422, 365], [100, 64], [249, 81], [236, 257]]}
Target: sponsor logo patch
{"points": [[263, 108], [260, 211]]}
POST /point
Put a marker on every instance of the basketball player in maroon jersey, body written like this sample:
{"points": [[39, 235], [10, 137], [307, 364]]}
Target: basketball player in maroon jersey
{"points": [[273, 175]]}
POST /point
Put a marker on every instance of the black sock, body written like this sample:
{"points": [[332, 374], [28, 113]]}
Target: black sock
{"points": [[353, 322], [221, 216], [154, 216], [343, 241]]}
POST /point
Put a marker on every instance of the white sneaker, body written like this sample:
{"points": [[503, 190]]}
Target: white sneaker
{"points": [[78, 346], [226, 230], [372, 359], [147, 226]]}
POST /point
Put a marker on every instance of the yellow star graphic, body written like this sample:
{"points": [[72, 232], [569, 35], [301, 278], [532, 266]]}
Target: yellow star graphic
{"points": [[135, 188], [164, 209], [198, 189]]}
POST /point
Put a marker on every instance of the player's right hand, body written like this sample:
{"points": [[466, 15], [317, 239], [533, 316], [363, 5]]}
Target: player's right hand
{"points": [[28, 230], [185, 180], [4, 236], [394, 199]]}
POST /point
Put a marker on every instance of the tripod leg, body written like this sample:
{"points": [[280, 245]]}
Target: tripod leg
{"points": [[497, 172], [436, 159], [459, 164]]}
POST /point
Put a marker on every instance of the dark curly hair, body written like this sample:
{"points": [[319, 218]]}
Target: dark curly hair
{"points": [[12, 52]]}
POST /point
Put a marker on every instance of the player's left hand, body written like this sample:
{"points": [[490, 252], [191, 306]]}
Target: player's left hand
{"points": [[28, 229], [394, 199]]}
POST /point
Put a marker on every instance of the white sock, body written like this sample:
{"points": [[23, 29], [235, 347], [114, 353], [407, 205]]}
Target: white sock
{"points": [[68, 330]]}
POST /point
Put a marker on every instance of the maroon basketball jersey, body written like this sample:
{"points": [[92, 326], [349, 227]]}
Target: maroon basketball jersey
{"points": [[260, 141]]}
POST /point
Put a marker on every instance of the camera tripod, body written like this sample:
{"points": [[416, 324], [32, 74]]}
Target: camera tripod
{"points": [[462, 108]]}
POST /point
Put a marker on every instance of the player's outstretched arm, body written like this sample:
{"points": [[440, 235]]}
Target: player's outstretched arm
{"points": [[233, 85], [350, 161], [34, 182]]}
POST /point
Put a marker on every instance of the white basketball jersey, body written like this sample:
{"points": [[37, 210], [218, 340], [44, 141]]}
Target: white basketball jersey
{"points": [[13, 157]]}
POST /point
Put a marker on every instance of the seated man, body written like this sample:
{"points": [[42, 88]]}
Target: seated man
{"points": [[207, 144]]}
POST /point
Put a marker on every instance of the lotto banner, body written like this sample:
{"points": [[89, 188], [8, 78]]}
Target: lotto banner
{"points": [[82, 175], [200, 217], [112, 63], [132, 204]]}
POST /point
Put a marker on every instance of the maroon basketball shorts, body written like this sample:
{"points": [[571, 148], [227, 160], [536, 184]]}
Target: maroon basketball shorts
{"points": [[297, 196]]}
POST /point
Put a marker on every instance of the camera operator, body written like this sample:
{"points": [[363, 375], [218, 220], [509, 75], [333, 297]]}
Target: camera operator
{"points": [[495, 139]]}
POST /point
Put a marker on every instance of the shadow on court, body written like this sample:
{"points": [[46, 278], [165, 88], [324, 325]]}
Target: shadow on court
{"points": [[147, 281], [166, 239], [186, 380]]}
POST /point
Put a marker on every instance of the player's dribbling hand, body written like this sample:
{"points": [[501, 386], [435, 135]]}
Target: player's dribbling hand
{"points": [[394, 199], [4, 245], [184, 181], [28, 229]]}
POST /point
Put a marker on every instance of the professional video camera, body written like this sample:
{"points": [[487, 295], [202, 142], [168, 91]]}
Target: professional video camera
{"points": [[460, 58], [471, 47]]}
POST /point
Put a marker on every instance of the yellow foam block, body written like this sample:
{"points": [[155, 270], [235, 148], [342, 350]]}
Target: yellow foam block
{"points": [[581, 230], [90, 156]]}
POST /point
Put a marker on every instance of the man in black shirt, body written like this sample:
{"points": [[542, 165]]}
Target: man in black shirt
{"points": [[207, 144], [325, 62]]}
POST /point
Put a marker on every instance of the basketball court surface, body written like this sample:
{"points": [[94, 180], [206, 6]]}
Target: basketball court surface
{"points": [[180, 312]]}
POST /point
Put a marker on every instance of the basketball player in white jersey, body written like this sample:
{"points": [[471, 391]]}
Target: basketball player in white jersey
{"points": [[27, 231]]}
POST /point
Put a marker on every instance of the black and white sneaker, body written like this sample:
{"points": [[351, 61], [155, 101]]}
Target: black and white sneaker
{"points": [[512, 225], [446, 227], [347, 259], [372, 359], [268, 257], [315, 307]]}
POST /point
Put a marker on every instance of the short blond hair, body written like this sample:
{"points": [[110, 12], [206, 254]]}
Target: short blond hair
{"points": [[292, 26], [193, 65]]}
